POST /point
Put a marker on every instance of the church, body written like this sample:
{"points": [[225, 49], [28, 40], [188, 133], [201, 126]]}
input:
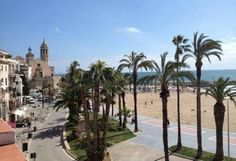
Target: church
{"points": [[41, 72], [40, 67]]}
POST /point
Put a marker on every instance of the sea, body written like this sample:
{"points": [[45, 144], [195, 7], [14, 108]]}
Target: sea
{"points": [[207, 75]]}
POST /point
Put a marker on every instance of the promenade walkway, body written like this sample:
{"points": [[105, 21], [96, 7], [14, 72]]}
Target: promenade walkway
{"points": [[148, 145]]}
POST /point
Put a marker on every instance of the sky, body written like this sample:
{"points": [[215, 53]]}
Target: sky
{"points": [[90, 30]]}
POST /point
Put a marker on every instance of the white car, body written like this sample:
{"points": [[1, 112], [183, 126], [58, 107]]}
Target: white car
{"points": [[31, 101]]}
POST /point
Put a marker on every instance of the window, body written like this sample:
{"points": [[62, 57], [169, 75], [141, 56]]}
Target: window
{"points": [[6, 81], [38, 65], [6, 68]]}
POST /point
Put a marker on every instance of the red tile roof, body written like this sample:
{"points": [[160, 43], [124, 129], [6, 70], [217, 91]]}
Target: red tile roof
{"points": [[11, 153], [4, 127]]}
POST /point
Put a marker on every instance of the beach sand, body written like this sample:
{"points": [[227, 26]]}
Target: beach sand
{"points": [[153, 108]]}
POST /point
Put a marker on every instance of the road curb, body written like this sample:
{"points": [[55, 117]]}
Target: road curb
{"points": [[65, 144], [183, 156]]}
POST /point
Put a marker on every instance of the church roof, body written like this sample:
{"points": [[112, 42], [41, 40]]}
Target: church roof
{"points": [[44, 44], [19, 58]]}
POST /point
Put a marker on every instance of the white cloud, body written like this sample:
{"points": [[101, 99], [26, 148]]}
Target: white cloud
{"points": [[56, 29], [227, 59], [129, 30]]}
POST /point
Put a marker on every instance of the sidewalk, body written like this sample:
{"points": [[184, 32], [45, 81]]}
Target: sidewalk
{"points": [[140, 148], [148, 144], [130, 151]]}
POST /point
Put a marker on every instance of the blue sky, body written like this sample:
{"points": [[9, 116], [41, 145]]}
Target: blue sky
{"points": [[107, 29]]}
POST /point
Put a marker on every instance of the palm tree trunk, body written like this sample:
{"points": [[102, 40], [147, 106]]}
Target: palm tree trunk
{"points": [[95, 116], [155, 82], [179, 144], [135, 101], [89, 148], [219, 112], [164, 95], [119, 104], [124, 109], [199, 126], [106, 126], [112, 104]]}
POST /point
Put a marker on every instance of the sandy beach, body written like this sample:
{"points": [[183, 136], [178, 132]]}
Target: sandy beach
{"points": [[150, 104]]}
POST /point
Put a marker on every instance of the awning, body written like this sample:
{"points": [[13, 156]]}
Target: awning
{"points": [[19, 112]]}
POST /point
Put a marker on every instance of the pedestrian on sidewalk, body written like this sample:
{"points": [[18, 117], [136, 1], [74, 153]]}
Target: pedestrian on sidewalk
{"points": [[133, 120], [168, 122], [29, 124]]}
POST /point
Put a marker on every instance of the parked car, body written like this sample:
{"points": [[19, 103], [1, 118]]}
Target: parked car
{"points": [[22, 123], [31, 101], [40, 99]]}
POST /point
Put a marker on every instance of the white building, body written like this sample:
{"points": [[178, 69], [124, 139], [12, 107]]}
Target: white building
{"points": [[11, 88]]}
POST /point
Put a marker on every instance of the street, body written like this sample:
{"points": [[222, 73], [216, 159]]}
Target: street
{"points": [[46, 140]]}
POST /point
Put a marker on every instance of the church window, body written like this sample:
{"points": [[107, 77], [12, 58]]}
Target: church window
{"points": [[41, 74], [38, 65]]}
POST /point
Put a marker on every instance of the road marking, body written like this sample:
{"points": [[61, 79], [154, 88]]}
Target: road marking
{"points": [[232, 140], [187, 130]]}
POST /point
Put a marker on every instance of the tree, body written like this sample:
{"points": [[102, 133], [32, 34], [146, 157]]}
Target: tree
{"points": [[97, 77], [182, 46], [134, 62], [84, 83], [67, 99], [219, 90], [25, 85], [202, 47], [122, 82], [164, 74]]}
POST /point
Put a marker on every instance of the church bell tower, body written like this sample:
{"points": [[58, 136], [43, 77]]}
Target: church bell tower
{"points": [[44, 51]]}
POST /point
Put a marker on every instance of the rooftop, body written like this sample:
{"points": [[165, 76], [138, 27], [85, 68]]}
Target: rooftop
{"points": [[11, 153], [4, 127]]}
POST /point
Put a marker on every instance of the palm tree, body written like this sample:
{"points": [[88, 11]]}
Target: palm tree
{"points": [[181, 47], [202, 47], [219, 90], [109, 87], [121, 82], [134, 62], [164, 74], [85, 85], [67, 99], [97, 77]]}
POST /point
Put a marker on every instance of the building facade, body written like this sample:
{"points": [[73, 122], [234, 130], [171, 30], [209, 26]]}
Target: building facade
{"points": [[11, 87], [40, 69]]}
